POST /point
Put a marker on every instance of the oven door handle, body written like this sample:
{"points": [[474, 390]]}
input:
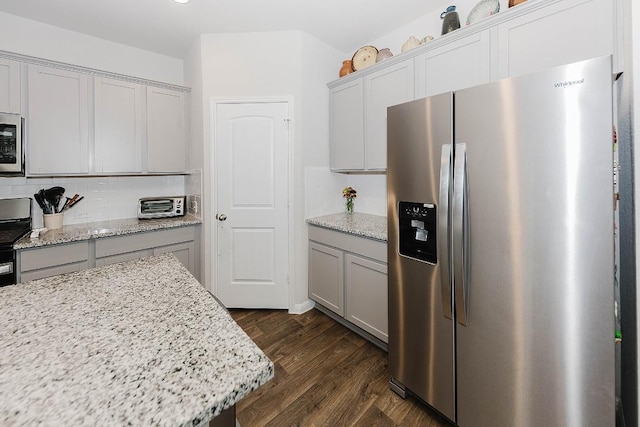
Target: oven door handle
{"points": [[6, 268]]}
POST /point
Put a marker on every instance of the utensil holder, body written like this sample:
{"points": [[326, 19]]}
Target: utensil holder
{"points": [[53, 221]]}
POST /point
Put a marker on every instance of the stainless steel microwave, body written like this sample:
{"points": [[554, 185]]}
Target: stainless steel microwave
{"points": [[11, 147], [161, 207]]}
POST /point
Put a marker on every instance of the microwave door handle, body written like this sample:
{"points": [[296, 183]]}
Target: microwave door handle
{"points": [[442, 236]]}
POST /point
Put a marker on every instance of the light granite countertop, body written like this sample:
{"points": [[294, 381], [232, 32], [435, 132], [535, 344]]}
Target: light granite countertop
{"points": [[135, 343], [359, 224], [96, 230]]}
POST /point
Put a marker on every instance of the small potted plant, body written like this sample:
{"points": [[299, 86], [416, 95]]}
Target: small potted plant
{"points": [[349, 193]]}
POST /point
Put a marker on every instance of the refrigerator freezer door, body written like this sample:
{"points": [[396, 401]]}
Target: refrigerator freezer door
{"points": [[538, 345], [421, 336]]}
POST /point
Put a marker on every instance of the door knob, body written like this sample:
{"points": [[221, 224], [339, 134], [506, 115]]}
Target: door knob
{"points": [[221, 217]]}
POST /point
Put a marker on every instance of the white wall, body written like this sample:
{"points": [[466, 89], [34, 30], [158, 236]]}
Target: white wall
{"points": [[32, 38], [194, 80], [427, 25], [289, 64], [320, 64]]}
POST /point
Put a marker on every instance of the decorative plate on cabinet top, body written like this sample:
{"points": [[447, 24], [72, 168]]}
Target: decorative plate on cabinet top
{"points": [[483, 9], [364, 57]]}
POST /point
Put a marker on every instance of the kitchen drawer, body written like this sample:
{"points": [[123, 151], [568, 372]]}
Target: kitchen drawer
{"points": [[136, 242], [33, 259], [113, 259], [53, 271]]}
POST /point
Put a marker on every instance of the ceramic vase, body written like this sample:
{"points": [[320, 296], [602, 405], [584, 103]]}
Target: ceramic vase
{"points": [[346, 68], [451, 21]]}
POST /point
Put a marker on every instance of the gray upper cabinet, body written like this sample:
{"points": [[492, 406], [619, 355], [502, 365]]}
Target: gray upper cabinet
{"points": [[524, 39], [542, 38], [57, 122], [347, 126], [166, 131], [9, 86], [88, 122], [358, 112], [389, 86], [452, 66], [119, 126]]}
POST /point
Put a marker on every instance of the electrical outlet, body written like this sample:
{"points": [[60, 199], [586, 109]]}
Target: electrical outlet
{"points": [[81, 215]]}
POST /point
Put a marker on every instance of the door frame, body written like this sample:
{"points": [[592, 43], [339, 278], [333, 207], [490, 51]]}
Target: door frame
{"points": [[213, 183]]}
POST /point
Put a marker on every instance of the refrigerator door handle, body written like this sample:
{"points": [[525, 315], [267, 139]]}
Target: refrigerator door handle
{"points": [[460, 241], [443, 231]]}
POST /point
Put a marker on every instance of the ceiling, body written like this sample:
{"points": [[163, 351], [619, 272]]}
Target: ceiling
{"points": [[169, 28]]}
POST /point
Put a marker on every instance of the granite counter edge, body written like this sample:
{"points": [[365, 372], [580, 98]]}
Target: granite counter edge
{"points": [[356, 229], [28, 243]]}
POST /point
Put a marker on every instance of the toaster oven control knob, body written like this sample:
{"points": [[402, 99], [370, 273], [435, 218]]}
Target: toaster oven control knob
{"points": [[221, 217]]}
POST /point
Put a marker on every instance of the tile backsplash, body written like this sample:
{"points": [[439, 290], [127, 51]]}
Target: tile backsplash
{"points": [[105, 198], [323, 192], [193, 189]]}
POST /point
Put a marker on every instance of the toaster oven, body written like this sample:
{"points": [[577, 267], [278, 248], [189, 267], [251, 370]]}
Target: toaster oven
{"points": [[161, 207]]}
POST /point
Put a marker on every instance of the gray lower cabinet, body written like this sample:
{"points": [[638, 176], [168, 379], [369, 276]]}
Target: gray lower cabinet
{"points": [[326, 277], [348, 276], [179, 241], [366, 301], [47, 261], [52, 260]]}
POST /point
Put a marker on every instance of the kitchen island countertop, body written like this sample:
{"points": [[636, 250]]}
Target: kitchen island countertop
{"points": [[135, 343], [99, 229], [358, 224]]}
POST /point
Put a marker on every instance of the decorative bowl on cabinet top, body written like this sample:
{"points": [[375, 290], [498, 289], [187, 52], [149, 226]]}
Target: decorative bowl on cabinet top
{"points": [[483, 9], [364, 57]]}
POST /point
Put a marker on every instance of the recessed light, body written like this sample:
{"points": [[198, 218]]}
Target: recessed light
{"points": [[181, 1]]}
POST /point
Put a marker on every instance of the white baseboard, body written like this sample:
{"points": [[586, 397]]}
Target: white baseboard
{"points": [[302, 308]]}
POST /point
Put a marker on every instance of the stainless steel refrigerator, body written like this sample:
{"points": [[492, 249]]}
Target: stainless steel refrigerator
{"points": [[501, 250]]}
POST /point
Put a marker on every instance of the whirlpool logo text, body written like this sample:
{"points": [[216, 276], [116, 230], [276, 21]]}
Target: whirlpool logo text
{"points": [[569, 83]]}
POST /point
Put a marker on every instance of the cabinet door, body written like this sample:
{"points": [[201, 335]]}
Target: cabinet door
{"points": [[558, 34], [185, 252], [58, 122], [119, 126], [9, 86], [457, 65], [326, 277], [166, 130], [389, 86], [367, 301], [346, 115]]}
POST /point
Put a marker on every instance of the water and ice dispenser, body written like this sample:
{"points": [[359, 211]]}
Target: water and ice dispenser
{"points": [[417, 229]]}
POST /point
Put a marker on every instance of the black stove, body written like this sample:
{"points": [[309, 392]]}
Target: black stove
{"points": [[15, 222]]}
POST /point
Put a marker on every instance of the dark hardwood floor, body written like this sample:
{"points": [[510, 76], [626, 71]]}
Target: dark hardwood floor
{"points": [[325, 375]]}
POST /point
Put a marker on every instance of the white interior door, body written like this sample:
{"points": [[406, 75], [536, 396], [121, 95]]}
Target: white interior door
{"points": [[252, 197]]}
